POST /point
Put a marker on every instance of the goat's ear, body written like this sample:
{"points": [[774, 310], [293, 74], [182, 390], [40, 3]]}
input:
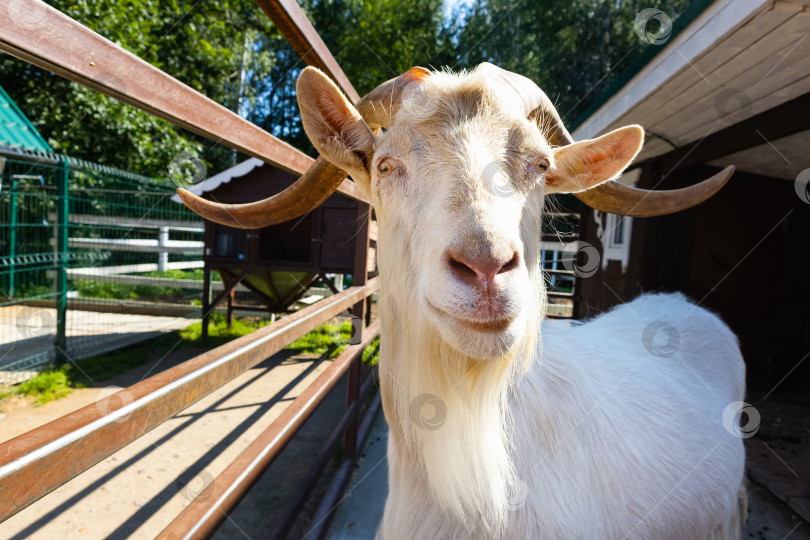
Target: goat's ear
{"points": [[587, 164], [334, 126]]}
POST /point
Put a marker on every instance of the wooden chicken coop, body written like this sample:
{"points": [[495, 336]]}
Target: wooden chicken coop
{"points": [[278, 264]]}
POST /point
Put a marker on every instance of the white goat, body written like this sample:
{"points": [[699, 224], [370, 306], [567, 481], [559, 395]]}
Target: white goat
{"points": [[501, 427]]}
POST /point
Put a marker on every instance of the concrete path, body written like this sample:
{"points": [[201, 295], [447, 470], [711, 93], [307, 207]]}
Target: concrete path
{"points": [[778, 452], [28, 332], [362, 506], [136, 492]]}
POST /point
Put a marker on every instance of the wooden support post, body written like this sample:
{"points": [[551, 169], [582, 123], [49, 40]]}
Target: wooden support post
{"points": [[358, 318], [230, 307], [206, 301]]}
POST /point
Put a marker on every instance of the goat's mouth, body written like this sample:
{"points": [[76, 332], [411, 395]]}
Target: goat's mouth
{"points": [[489, 326]]}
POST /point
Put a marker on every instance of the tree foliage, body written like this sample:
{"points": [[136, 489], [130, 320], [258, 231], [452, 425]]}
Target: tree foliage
{"points": [[199, 43], [372, 41], [573, 49]]}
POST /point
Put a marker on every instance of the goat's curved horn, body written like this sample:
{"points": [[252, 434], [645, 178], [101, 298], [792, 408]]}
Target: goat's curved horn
{"points": [[322, 178], [618, 198], [612, 196]]}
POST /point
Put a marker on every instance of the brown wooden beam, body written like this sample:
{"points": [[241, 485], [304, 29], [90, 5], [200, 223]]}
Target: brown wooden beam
{"points": [[294, 25]]}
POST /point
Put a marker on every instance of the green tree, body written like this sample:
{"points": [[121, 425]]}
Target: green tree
{"points": [[572, 49], [200, 43], [372, 41]]}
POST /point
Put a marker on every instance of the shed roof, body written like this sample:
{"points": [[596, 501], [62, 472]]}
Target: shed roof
{"points": [[738, 59], [213, 182], [16, 131]]}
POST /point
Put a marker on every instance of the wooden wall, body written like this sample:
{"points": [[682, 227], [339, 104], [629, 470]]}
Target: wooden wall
{"points": [[321, 241], [709, 254]]}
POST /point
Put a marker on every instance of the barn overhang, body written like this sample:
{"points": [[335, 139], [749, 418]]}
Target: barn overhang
{"points": [[731, 88]]}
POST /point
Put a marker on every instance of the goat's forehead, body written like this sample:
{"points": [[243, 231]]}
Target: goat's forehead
{"points": [[452, 108], [442, 107], [448, 133]]}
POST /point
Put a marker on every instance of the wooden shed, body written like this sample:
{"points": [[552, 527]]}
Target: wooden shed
{"points": [[733, 88], [277, 263]]}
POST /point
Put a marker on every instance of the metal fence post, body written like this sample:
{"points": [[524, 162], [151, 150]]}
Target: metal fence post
{"points": [[12, 235], [358, 320], [62, 202], [163, 256]]}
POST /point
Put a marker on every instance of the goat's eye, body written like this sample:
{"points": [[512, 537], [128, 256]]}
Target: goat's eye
{"points": [[542, 165], [385, 168]]}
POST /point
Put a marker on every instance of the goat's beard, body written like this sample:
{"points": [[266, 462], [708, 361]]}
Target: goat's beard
{"points": [[448, 413]]}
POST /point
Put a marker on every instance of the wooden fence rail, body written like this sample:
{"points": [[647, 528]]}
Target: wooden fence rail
{"points": [[209, 509], [35, 463]]}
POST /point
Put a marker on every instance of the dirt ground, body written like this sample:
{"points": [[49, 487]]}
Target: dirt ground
{"points": [[137, 491]]}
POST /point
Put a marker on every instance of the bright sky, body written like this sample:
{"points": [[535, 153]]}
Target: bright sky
{"points": [[449, 5]]}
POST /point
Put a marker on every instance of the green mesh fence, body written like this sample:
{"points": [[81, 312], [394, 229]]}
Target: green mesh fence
{"points": [[91, 259]]}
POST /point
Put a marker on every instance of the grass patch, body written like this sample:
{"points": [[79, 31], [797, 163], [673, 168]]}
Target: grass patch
{"points": [[120, 291], [47, 386], [372, 353], [108, 365], [330, 339], [218, 331], [59, 382], [105, 366], [194, 273]]}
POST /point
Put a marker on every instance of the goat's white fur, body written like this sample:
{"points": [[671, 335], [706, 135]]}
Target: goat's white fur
{"points": [[574, 431], [602, 438]]}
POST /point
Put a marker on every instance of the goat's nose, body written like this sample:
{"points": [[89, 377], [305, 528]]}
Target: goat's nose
{"points": [[480, 270]]}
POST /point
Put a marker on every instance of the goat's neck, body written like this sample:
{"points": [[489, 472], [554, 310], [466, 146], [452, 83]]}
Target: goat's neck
{"points": [[447, 413]]}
